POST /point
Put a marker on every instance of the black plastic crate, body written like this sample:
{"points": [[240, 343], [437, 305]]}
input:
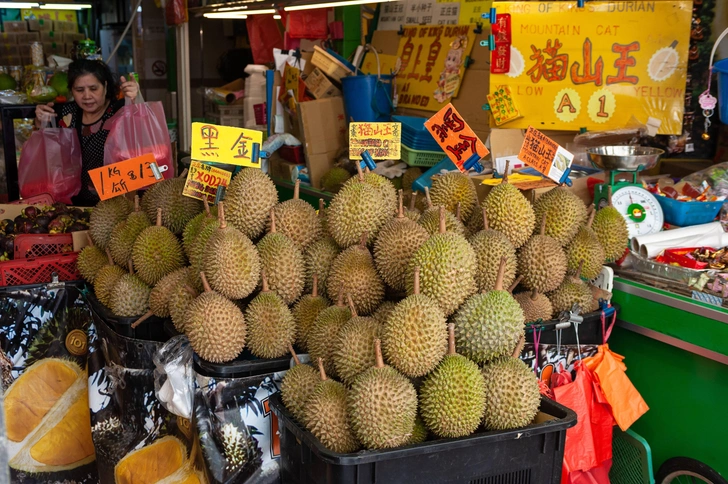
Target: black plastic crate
{"points": [[152, 329], [245, 365], [531, 455], [590, 331]]}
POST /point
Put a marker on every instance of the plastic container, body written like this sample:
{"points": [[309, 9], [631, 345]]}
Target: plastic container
{"points": [[529, 455], [40, 199], [151, 329], [683, 214], [368, 98], [39, 270], [292, 154], [329, 64], [243, 366], [421, 158], [590, 331], [28, 246]]}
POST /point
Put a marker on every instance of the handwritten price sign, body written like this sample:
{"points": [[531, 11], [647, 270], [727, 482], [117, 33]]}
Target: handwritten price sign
{"points": [[382, 140], [203, 180], [125, 176], [225, 144], [545, 155], [455, 137]]}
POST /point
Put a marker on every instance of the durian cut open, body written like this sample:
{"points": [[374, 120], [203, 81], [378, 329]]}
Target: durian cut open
{"points": [[162, 462], [48, 419]]}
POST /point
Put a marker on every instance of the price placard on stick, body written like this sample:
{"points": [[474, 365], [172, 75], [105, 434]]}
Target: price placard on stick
{"points": [[203, 180], [545, 155], [225, 144], [455, 137], [125, 176], [382, 140]]}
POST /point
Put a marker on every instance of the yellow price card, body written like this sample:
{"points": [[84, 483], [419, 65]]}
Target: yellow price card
{"points": [[226, 144], [203, 180], [382, 140]]}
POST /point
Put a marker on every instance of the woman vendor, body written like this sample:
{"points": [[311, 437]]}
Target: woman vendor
{"points": [[96, 99]]}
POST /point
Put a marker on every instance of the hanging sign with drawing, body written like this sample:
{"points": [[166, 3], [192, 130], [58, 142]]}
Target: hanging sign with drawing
{"points": [[598, 66]]}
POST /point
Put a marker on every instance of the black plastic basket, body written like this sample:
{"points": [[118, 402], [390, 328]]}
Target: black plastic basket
{"points": [[531, 455], [590, 331], [245, 365], [152, 329]]}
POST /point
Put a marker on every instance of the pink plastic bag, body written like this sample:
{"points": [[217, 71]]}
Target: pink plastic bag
{"points": [[51, 162], [138, 129]]}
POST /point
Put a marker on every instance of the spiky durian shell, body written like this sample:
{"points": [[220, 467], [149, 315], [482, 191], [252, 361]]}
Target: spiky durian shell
{"points": [[355, 348], [452, 188], [535, 309], [271, 328], [512, 396], [231, 263], [409, 177], [354, 270], [248, 199], [489, 247], [571, 291], [179, 299], [195, 226], [585, 246], [325, 416], [177, 209], [296, 388], [395, 244], [430, 221], [104, 217], [298, 220], [357, 208], [334, 179], [216, 327], [611, 231], [542, 263], [130, 297], [283, 264], [305, 313], [387, 192], [124, 235], [565, 213], [324, 334], [383, 311], [161, 292], [90, 260], [105, 281], [510, 212], [156, 253], [318, 259]]}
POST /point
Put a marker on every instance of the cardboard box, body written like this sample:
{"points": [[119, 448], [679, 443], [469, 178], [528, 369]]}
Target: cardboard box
{"points": [[54, 48], [323, 134], [20, 26], [24, 50], [71, 37], [60, 26], [51, 36], [282, 169], [8, 50], [28, 37], [40, 25], [8, 38], [320, 86], [11, 60]]}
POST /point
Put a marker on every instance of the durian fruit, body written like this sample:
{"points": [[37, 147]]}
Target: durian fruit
{"points": [[382, 406], [452, 188], [298, 220], [125, 233], [130, 296], [283, 263], [572, 291], [535, 306], [383, 311], [305, 313], [104, 217], [106, 279], [447, 269], [387, 192], [490, 246], [542, 262], [412, 212], [230, 262], [90, 260], [325, 331], [47, 418], [488, 324], [410, 175], [195, 226], [358, 208], [564, 212], [414, 336], [586, 247], [177, 209], [249, 198], [318, 259], [271, 328], [510, 212], [611, 230], [181, 297], [325, 415], [452, 396], [163, 461], [215, 326], [198, 249], [419, 432], [334, 179], [157, 252], [297, 386], [355, 347], [430, 219], [395, 244], [161, 293], [512, 394], [354, 271], [323, 219]]}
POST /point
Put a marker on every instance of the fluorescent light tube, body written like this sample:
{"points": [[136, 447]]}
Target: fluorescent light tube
{"points": [[18, 5], [238, 14], [277, 17], [343, 3], [65, 6]]}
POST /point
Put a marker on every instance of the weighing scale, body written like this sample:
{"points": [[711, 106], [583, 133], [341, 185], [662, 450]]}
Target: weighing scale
{"points": [[640, 208]]}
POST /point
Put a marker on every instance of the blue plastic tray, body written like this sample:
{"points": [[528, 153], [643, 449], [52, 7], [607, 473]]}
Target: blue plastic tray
{"points": [[683, 214]]}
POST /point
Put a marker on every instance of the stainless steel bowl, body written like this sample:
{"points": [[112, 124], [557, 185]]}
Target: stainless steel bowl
{"points": [[624, 158]]}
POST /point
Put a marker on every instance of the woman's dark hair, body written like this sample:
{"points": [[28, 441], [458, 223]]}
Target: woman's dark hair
{"points": [[99, 70]]}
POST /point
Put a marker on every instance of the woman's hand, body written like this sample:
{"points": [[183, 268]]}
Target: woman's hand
{"points": [[43, 113], [129, 88]]}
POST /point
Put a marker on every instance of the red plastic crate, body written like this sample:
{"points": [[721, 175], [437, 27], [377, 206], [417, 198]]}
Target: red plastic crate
{"points": [[28, 246], [40, 270], [292, 154], [42, 199]]}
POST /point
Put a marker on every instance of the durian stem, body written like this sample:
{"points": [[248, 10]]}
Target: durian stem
{"points": [[485, 219], [519, 347], [297, 189], [358, 170], [130, 265], [534, 295], [314, 291], [322, 207], [108, 256], [265, 280], [352, 308], [293, 354], [340, 297], [592, 213], [451, 339], [378, 354], [191, 290], [609, 195], [183, 174], [501, 273], [272, 221], [204, 282], [90, 240], [413, 200], [139, 321], [442, 220], [159, 217], [417, 280], [363, 240], [543, 225], [400, 212], [136, 203], [427, 196], [515, 284], [322, 372], [221, 214], [505, 172], [206, 204], [457, 212], [578, 270]]}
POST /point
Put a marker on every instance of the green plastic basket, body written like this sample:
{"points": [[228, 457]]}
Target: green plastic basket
{"points": [[631, 459], [421, 158]]}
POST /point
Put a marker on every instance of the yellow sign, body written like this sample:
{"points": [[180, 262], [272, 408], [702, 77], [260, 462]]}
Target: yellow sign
{"points": [[62, 15], [387, 64], [382, 140], [432, 67], [471, 11], [225, 144], [598, 66], [203, 180]]}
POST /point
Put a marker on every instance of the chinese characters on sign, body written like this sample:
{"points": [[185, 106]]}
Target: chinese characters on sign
{"points": [[203, 180], [500, 56], [599, 66], [502, 106], [545, 155], [393, 15], [125, 176], [225, 144], [382, 140], [455, 137]]}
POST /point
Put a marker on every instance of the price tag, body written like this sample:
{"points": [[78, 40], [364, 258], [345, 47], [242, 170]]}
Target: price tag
{"points": [[502, 106], [545, 155], [225, 144], [126, 176], [455, 137], [203, 180], [382, 140]]}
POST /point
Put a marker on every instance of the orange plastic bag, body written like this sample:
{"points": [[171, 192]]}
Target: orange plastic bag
{"points": [[626, 402]]}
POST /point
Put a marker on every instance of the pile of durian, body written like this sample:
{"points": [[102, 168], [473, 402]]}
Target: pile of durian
{"points": [[406, 313]]}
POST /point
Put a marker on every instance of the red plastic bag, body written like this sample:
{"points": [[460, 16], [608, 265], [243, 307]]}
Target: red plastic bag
{"points": [[308, 24], [175, 12], [51, 162], [138, 129], [264, 36]]}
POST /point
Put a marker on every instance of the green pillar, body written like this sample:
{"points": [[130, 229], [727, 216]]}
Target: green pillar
{"points": [[351, 16]]}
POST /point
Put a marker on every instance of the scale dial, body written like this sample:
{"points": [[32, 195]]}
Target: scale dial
{"points": [[640, 210]]}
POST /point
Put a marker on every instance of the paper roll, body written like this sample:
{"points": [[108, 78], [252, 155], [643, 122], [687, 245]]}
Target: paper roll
{"points": [[692, 231], [653, 249]]}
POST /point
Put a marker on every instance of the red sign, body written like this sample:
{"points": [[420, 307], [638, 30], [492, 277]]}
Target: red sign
{"points": [[500, 56], [455, 137], [125, 176]]}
